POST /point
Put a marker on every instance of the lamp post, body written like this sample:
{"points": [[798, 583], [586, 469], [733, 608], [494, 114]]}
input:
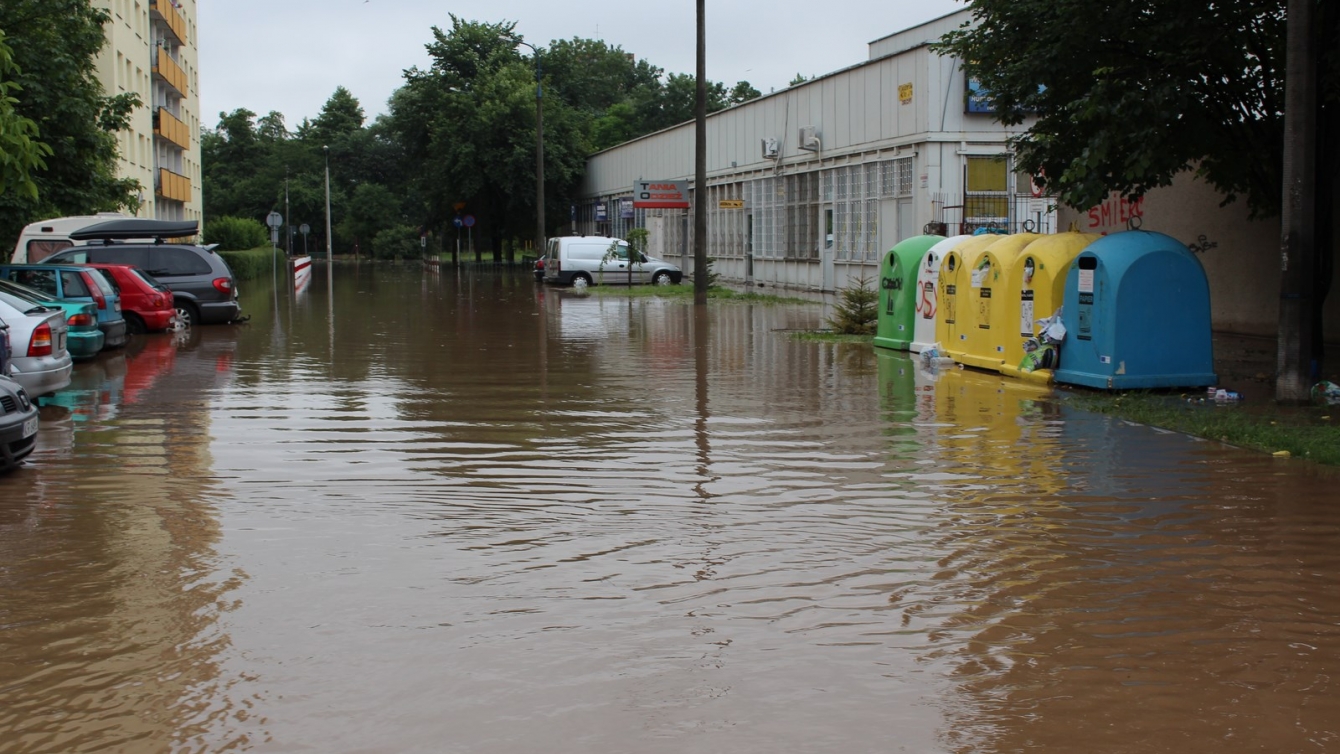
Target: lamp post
{"points": [[327, 150], [539, 151]]}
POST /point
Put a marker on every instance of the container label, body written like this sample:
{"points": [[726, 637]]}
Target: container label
{"points": [[950, 298], [1026, 314], [1085, 316], [926, 305], [1086, 281], [984, 309]]}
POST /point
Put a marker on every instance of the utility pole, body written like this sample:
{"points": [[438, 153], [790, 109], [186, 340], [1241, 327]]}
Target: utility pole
{"points": [[288, 223], [700, 168], [1298, 241]]}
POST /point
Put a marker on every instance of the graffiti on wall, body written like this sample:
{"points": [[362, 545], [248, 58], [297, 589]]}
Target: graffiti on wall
{"points": [[1116, 211]]}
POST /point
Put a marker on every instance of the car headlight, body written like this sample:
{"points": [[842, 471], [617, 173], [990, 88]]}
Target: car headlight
{"points": [[24, 403]]}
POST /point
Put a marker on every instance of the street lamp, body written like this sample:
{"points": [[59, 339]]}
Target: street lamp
{"points": [[539, 152], [326, 150]]}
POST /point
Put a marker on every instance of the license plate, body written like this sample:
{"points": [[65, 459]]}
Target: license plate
{"points": [[29, 427]]}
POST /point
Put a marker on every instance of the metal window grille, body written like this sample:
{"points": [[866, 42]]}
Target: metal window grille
{"points": [[904, 167], [872, 229]]}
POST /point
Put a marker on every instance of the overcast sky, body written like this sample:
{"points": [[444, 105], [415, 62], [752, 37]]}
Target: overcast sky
{"points": [[289, 56]]}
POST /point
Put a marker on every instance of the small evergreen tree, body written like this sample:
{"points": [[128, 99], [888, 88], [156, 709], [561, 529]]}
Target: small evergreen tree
{"points": [[858, 311]]}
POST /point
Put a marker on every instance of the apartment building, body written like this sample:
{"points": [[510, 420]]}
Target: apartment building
{"points": [[152, 50]]}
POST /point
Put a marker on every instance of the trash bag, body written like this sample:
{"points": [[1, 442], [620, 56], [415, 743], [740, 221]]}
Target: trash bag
{"points": [[1038, 354], [1326, 392]]}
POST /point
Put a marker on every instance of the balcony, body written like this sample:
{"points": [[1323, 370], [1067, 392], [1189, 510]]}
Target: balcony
{"points": [[163, 10], [167, 70], [166, 126], [173, 186]]}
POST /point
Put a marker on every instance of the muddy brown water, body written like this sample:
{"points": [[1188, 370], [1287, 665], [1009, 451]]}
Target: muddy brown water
{"points": [[474, 515]]}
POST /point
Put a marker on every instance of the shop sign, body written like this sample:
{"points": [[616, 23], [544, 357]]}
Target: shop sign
{"points": [[661, 195]]}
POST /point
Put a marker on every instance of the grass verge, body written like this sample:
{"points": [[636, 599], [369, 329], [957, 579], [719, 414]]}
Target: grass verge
{"points": [[828, 336], [1309, 432]]}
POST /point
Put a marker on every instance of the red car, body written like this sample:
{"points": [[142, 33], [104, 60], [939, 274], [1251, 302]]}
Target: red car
{"points": [[145, 303]]}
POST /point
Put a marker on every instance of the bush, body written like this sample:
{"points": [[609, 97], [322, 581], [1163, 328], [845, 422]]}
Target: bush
{"points": [[858, 312], [397, 240], [236, 233], [252, 263]]}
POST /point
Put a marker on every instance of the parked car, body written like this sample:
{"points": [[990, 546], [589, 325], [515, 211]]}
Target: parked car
{"points": [[38, 360], [599, 260], [18, 424], [74, 283], [539, 270], [83, 339], [145, 302], [203, 289]]}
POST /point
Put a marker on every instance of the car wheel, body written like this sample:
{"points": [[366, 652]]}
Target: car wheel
{"points": [[134, 325], [583, 277], [187, 314], [662, 278]]}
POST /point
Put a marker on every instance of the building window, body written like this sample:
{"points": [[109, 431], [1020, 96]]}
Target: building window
{"points": [[986, 192], [802, 215]]}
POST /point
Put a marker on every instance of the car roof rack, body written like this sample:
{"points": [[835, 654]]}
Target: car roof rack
{"points": [[137, 227]]}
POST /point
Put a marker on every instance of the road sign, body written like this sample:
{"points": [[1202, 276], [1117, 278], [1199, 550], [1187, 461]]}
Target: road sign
{"points": [[731, 204], [274, 220], [469, 221], [457, 221]]}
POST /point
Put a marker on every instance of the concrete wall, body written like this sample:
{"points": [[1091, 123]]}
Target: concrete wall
{"points": [[1241, 256]]}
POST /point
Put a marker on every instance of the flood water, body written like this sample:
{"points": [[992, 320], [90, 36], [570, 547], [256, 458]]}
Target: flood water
{"points": [[469, 514]]}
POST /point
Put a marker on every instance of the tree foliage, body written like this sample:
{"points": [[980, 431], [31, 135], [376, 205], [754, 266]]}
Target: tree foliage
{"points": [[1128, 95], [20, 150], [235, 233], [52, 84]]}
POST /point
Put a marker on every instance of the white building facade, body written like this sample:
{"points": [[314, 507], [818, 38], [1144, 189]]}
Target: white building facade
{"points": [[809, 186], [152, 50]]}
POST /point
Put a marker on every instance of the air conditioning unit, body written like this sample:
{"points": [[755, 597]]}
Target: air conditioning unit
{"points": [[772, 149], [809, 138]]}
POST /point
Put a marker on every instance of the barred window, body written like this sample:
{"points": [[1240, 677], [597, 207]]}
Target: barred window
{"points": [[904, 176]]}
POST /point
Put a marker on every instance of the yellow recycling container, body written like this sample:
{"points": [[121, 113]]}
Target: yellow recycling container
{"points": [[983, 334], [953, 316], [1035, 290]]}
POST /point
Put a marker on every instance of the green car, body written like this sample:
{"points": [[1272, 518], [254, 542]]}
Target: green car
{"points": [[83, 340]]}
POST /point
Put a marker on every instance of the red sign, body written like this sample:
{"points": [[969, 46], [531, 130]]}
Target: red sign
{"points": [[661, 195]]}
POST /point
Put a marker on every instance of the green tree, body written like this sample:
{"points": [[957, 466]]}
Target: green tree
{"points": [[20, 150], [1128, 95], [53, 45], [468, 125], [797, 80], [742, 92], [340, 116]]}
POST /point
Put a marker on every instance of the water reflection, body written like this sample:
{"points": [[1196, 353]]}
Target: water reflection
{"points": [[112, 585], [414, 510]]}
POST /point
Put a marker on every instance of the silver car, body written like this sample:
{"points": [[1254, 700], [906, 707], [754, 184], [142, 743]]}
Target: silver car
{"points": [[18, 424], [38, 360]]}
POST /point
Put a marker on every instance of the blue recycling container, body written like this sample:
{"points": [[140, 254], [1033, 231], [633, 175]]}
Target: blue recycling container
{"points": [[1137, 315]]}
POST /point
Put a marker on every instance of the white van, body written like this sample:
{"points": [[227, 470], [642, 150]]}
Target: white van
{"points": [[42, 239], [598, 260]]}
